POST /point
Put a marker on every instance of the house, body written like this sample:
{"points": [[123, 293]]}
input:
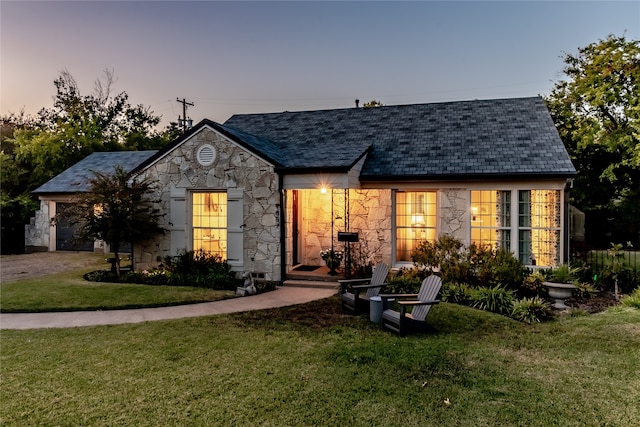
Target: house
{"points": [[268, 192]]}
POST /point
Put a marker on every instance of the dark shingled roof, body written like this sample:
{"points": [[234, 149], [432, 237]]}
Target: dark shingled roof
{"points": [[449, 140], [76, 178], [258, 145]]}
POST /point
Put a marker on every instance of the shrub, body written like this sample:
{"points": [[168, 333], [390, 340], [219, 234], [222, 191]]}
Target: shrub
{"points": [[198, 262], [584, 290], [445, 255], [498, 267], [478, 265], [158, 278], [457, 293], [563, 274], [101, 276], [532, 284], [201, 269], [497, 299], [632, 300], [403, 284], [531, 310]]}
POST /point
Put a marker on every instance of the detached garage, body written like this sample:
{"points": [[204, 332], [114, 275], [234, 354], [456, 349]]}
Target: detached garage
{"points": [[56, 195]]}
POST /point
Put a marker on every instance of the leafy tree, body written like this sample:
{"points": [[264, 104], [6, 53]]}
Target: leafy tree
{"points": [[371, 104], [597, 113], [117, 210], [16, 204], [35, 149]]}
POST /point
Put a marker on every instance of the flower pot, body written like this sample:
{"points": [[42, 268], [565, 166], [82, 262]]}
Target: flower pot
{"points": [[559, 292]]}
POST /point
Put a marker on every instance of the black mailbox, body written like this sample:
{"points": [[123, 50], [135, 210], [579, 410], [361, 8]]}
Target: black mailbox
{"points": [[344, 236]]}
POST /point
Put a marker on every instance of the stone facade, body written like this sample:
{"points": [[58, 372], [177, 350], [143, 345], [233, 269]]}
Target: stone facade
{"points": [[454, 213], [371, 216], [234, 168], [369, 213], [37, 233]]}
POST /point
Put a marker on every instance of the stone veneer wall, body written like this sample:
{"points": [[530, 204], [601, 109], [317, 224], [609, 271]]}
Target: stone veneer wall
{"points": [[454, 216], [37, 232], [370, 216], [234, 167]]}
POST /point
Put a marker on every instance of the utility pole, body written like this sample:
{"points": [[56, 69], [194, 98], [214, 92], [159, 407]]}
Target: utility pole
{"points": [[184, 122]]}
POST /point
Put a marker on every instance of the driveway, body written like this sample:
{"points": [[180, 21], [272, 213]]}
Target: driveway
{"points": [[14, 267]]}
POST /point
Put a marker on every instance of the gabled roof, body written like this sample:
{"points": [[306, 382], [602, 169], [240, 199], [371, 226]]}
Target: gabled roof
{"points": [[257, 145], [76, 178], [450, 140], [289, 154]]}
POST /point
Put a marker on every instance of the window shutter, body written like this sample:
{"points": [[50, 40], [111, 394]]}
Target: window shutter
{"points": [[235, 224], [178, 224]]}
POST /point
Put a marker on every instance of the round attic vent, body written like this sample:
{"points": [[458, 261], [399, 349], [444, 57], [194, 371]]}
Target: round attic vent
{"points": [[206, 155]]}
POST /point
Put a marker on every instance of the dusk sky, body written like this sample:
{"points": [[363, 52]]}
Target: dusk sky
{"points": [[244, 57]]}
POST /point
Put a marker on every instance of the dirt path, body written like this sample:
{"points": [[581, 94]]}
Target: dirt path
{"points": [[14, 267]]}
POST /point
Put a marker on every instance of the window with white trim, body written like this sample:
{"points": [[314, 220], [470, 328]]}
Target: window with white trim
{"points": [[491, 218], [415, 221], [539, 220], [209, 222], [533, 235]]}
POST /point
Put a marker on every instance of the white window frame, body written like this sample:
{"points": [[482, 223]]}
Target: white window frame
{"points": [[515, 219], [395, 227]]}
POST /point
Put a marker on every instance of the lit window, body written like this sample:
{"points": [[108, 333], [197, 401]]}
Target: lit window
{"points": [[209, 221], [491, 218], [416, 221], [539, 227]]}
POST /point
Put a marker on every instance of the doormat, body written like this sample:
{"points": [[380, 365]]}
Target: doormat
{"points": [[306, 268]]}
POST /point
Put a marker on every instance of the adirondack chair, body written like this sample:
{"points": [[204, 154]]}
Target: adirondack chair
{"points": [[401, 321], [355, 293]]}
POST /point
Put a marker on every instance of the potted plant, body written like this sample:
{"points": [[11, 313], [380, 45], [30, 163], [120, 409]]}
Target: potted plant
{"points": [[332, 259], [560, 285]]}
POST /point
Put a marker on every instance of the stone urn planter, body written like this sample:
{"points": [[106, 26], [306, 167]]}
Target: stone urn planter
{"points": [[559, 292], [332, 259]]}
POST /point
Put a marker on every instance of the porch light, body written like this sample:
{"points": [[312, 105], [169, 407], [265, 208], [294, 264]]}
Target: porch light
{"points": [[323, 190]]}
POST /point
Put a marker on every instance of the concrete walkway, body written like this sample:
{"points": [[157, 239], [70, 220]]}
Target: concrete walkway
{"points": [[281, 297]]}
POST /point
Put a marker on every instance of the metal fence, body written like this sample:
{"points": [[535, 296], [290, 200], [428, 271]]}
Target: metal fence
{"points": [[597, 265]]}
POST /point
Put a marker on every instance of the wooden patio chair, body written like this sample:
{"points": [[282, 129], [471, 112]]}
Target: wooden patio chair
{"points": [[356, 293], [421, 303]]}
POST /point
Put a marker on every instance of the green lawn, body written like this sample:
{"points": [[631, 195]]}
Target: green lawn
{"points": [[69, 291], [311, 365]]}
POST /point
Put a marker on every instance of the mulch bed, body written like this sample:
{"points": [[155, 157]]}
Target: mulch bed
{"points": [[593, 305]]}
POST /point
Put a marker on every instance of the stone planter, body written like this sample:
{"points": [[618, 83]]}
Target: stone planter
{"points": [[559, 292], [333, 264]]}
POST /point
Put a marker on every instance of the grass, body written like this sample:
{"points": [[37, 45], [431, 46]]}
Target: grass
{"points": [[312, 365], [70, 292]]}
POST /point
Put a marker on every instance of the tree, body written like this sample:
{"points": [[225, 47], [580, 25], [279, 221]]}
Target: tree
{"points": [[597, 113], [371, 104], [35, 149], [117, 209]]}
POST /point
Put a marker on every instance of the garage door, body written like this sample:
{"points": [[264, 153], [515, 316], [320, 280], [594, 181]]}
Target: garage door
{"points": [[65, 233]]}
